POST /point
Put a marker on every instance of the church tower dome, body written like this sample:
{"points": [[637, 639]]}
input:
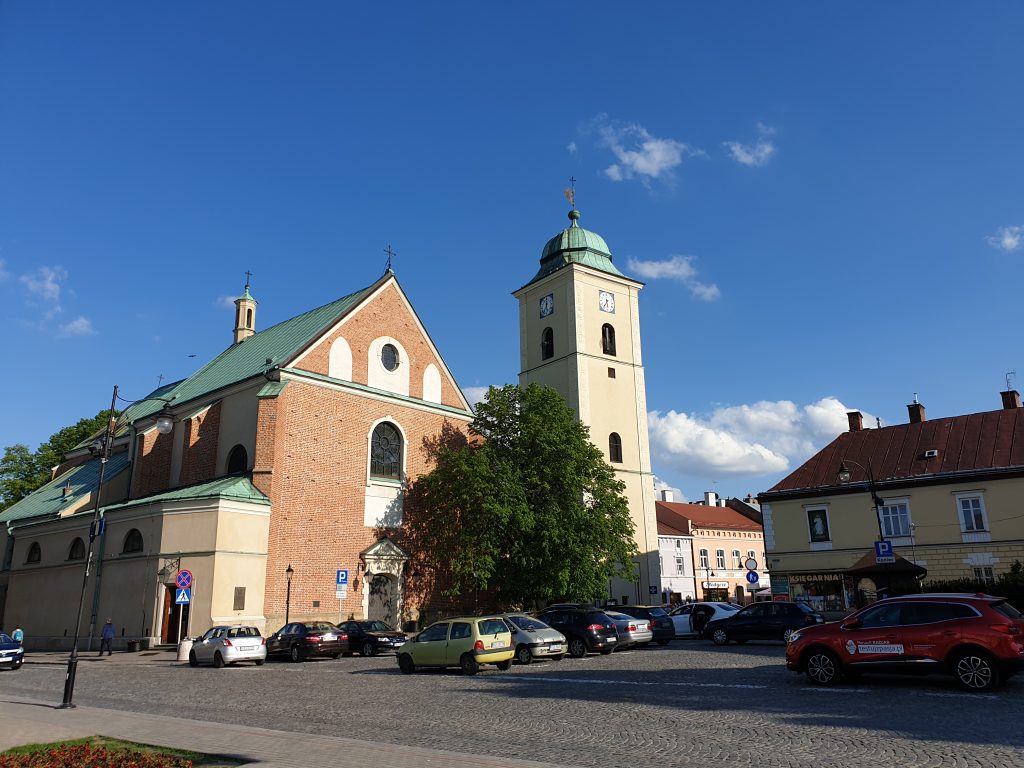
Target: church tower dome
{"points": [[574, 244]]}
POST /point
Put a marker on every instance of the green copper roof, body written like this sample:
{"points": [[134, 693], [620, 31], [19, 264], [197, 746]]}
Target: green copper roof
{"points": [[576, 245], [242, 361], [246, 296], [49, 500], [235, 487]]}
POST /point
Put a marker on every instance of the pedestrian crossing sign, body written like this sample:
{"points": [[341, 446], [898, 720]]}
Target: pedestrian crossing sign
{"points": [[184, 597]]}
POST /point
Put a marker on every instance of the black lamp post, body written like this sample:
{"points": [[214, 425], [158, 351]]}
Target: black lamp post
{"points": [[844, 477], [288, 573], [164, 425], [708, 573]]}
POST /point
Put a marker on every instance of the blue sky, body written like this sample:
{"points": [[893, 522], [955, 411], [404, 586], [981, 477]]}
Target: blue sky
{"points": [[824, 200]]}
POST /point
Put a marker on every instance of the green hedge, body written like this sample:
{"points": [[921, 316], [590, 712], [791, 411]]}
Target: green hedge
{"points": [[1009, 585]]}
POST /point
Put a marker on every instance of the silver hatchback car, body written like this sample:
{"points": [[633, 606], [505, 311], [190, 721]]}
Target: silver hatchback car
{"points": [[225, 645], [632, 631], [533, 639]]}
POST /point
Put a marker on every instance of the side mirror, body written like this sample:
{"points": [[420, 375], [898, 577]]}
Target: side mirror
{"points": [[852, 624]]}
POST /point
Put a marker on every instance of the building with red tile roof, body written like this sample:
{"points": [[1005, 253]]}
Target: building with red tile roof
{"points": [[944, 494]]}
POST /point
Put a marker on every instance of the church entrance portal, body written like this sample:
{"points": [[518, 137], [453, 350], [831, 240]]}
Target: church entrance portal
{"points": [[383, 600]]}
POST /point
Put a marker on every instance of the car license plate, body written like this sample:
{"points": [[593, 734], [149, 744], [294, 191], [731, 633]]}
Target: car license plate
{"points": [[246, 647], [328, 637], [554, 647], [612, 639], [496, 644]]}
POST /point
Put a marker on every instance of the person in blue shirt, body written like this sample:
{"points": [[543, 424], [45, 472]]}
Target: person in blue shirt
{"points": [[17, 635], [107, 637]]}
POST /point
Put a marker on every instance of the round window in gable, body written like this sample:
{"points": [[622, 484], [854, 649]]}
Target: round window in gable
{"points": [[389, 357]]}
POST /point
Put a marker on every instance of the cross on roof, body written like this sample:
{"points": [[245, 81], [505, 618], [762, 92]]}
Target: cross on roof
{"points": [[248, 275], [570, 192], [390, 254]]}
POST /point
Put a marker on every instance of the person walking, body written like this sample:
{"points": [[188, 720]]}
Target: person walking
{"points": [[107, 637], [17, 635]]}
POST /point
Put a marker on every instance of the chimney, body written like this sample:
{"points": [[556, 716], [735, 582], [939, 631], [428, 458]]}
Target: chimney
{"points": [[711, 498], [1011, 399], [916, 411], [666, 495], [856, 420]]}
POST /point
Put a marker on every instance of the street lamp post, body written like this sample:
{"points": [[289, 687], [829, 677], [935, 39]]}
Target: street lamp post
{"points": [[708, 573], [288, 573], [844, 477], [164, 425]]}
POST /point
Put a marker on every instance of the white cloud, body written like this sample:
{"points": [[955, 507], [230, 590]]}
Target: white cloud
{"points": [[756, 155], [474, 394], [4, 274], [639, 154], [227, 302], [45, 282], [80, 326], [676, 268], [572, 147], [661, 485], [1007, 238], [763, 438]]}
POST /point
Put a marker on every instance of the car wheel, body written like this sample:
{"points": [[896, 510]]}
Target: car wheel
{"points": [[218, 660], [368, 649], [663, 642], [295, 654], [17, 665], [577, 648], [523, 654], [504, 666], [606, 651], [468, 665], [822, 668], [193, 660], [406, 664], [719, 636], [260, 662], [787, 633], [975, 671]]}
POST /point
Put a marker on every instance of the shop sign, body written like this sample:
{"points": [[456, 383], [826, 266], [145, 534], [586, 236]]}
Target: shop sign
{"points": [[780, 585], [807, 578], [715, 585]]}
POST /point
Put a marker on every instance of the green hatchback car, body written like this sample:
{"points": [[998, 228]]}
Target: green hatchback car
{"points": [[464, 642]]}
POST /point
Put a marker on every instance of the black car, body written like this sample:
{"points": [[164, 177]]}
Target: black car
{"points": [[372, 637], [585, 629], [661, 623], [762, 621], [300, 641]]}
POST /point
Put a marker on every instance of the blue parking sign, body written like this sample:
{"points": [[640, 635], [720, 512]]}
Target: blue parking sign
{"points": [[342, 577], [884, 553]]}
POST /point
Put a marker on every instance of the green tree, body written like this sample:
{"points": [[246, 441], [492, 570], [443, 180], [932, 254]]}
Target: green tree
{"points": [[22, 471], [525, 510]]}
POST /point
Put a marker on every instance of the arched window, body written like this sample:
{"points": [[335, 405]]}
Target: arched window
{"points": [[238, 460], [248, 318], [386, 452], [615, 448], [35, 553], [607, 339], [547, 344], [77, 551], [132, 542]]}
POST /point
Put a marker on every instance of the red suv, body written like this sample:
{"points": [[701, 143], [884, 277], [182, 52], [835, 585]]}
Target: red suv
{"points": [[979, 639]]}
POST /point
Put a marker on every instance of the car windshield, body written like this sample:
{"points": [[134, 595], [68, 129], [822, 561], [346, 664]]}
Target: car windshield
{"points": [[375, 626], [525, 622], [803, 608], [1007, 610], [5, 638], [243, 632], [727, 606], [321, 626], [491, 626], [618, 616], [657, 612]]}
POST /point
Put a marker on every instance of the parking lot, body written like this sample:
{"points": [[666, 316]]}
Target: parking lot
{"points": [[689, 703]]}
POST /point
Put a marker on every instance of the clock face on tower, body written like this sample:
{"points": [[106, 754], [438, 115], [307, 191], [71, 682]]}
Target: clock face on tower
{"points": [[547, 305], [606, 301]]}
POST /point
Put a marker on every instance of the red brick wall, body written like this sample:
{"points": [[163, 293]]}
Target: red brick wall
{"points": [[386, 315], [152, 463], [317, 489], [199, 454]]}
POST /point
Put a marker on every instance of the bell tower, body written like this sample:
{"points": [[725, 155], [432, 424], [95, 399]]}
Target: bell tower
{"points": [[579, 333], [245, 313]]}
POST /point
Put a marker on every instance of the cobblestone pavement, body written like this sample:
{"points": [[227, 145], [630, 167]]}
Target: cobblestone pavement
{"points": [[686, 704]]}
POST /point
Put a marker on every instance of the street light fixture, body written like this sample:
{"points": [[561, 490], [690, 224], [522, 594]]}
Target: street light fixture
{"points": [[844, 477], [164, 425], [288, 573]]}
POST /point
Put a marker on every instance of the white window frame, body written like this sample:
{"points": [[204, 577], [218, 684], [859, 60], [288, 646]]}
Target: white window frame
{"points": [[737, 560], [972, 496], [824, 544], [980, 574], [704, 559], [720, 559], [888, 518], [680, 566]]}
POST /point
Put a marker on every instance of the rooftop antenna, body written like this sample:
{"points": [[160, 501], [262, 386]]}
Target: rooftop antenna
{"points": [[1010, 376], [390, 254], [878, 423], [570, 192]]}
